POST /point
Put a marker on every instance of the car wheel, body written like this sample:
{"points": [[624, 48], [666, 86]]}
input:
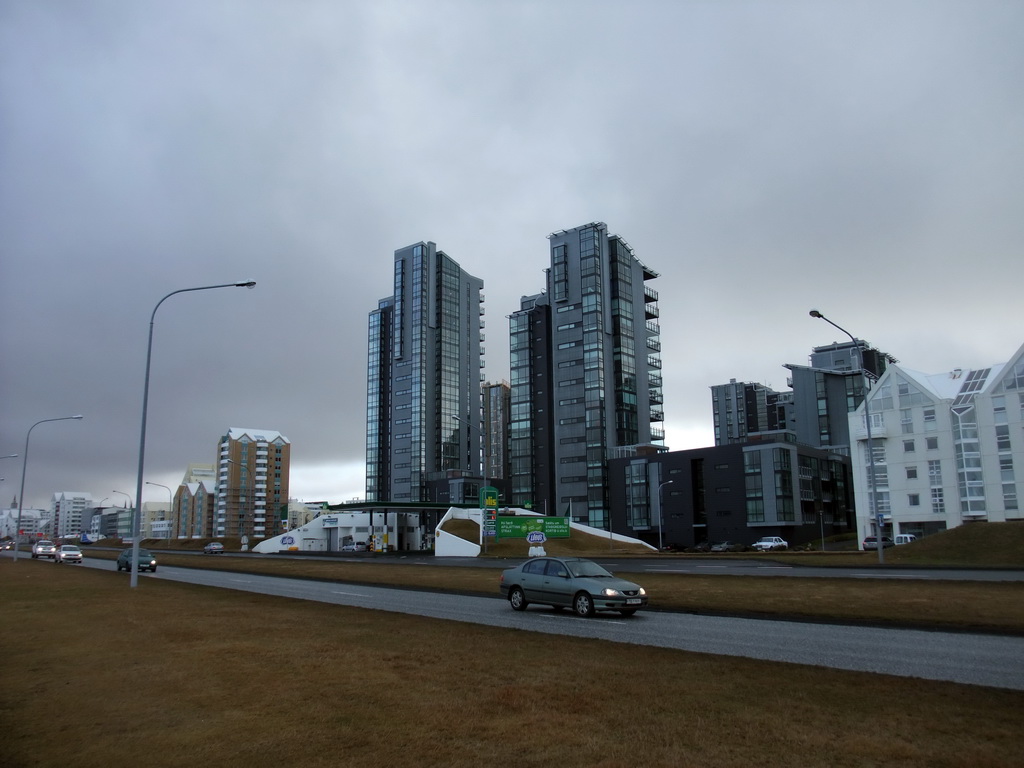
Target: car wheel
{"points": [[628, 611], [583, 604], [517, 599], [153, 569]]}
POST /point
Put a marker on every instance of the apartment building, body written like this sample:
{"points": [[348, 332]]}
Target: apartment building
{"points": [[424, 420], [66, 508], [946, 448], [585, 374], [252, 483]]}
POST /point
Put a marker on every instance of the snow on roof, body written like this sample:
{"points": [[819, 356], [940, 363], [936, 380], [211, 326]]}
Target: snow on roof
{"points": [[946, 386], [268, 435]]}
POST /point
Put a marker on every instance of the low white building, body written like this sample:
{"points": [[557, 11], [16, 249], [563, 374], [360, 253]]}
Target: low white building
{"points": [[380, 531], [35, 523], [947, 448]]}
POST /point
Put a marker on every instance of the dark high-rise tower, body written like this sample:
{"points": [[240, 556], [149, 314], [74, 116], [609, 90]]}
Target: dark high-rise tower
{"points": [[586, 374], [423, 379]]}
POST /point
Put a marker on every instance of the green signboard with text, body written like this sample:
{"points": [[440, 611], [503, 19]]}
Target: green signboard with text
{"points": [[519, 527]]}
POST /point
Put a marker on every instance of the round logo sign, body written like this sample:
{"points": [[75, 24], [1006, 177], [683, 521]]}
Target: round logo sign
{"points": [[536, 537]]}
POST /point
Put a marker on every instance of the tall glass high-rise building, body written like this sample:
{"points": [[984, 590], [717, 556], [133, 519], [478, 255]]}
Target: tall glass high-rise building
{"points": [[423, 400], [585, 374]]}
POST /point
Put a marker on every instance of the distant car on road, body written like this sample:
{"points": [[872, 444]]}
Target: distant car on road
{"points": [[905, 538], [871, 542], [354, 546], [68, 553], [146, 561], [43, 548], [770, 543], [213, 548], [570, 582]]}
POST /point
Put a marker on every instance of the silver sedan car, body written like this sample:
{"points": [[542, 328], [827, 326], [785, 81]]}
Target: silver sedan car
{"points": [[570, 582]]}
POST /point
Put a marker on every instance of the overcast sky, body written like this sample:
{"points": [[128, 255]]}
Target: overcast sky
{"points": [[862, 158]]}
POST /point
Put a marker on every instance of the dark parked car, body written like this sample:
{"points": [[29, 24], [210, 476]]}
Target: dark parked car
{"points": [[870, 542], [213, 548], [570, 582], [68, 553], [146, 561]]}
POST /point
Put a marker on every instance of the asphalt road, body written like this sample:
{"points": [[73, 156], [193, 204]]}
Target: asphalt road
{"points": [[975, 659]]}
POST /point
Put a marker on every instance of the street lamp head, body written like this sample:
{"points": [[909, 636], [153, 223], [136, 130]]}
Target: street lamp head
{"points": [[816, 313], [250, 284]]}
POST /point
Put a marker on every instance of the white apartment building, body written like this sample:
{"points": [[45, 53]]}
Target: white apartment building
{"points": [[66, 509], [947, 448]]}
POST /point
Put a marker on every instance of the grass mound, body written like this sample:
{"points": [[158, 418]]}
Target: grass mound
{"points": [[989, 545]]}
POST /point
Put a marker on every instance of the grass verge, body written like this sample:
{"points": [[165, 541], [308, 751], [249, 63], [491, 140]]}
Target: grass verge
{"points": [[176, 674]]}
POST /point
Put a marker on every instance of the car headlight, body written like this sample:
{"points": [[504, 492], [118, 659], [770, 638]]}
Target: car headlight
{"points": [[609, 592], [643, 591]]}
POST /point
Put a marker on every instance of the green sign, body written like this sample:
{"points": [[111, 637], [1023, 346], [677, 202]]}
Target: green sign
{"points": [[488, 497], [519, 527]]}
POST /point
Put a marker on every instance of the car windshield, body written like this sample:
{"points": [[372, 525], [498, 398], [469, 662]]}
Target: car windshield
{"points": [[144, 553], [586, 568], [69, 548]]}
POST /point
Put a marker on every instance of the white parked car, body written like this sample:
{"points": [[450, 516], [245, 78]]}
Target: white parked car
{"points": [[769, 543]]}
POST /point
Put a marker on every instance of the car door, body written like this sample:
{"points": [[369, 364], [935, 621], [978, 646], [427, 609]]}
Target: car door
{"points": [[557, 583], [532, 580]]}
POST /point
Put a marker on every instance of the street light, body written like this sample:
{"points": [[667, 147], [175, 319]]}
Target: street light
{"points": [[661, 512], [872, 497], [145, 406], [170, 508], [24, 466]]}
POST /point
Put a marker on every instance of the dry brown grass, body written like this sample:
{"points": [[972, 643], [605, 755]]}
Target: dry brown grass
{"points": [[97, 674]]}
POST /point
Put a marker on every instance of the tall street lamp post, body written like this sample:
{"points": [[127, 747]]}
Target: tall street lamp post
{"points": [[661, 512], [24, 466], [872, 497], [145, 407], [170, 508], [2, 479]]}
